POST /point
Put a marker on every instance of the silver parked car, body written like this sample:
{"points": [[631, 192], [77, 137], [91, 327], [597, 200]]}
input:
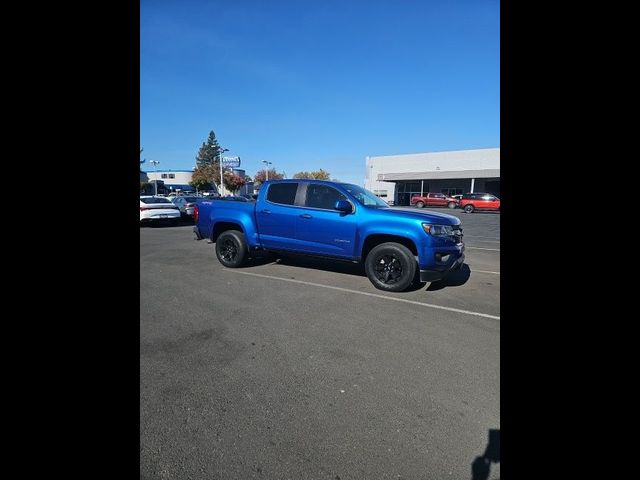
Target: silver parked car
{"points": [[186, 204]]}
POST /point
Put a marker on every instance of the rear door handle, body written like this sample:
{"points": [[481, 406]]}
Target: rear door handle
{"points": [[305, 215], [265, 211]]}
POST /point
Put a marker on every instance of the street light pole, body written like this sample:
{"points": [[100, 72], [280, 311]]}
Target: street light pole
{"points": [[266, 170], [221, 151], [155, 167]]}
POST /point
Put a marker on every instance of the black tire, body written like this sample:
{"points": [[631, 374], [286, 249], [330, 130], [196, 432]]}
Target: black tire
{"points": [[390, 267], [469, 208], [452, 205], [420, 204], [231, 249]]}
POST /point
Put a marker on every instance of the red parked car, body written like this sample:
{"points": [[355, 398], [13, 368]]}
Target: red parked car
{"points": [[479, 201], [434, 200]]}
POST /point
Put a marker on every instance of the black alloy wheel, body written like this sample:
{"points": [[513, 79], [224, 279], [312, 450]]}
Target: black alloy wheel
{"points": [[391, 267], [231, 249]]}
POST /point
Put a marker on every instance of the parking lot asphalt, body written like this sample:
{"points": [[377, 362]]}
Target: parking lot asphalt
{"points": [[299, 368]]}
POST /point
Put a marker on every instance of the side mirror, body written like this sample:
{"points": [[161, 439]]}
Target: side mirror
{"points": [[344, 206]]}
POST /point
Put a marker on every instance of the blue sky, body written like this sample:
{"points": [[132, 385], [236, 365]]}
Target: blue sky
{"points": [[317, 84]]}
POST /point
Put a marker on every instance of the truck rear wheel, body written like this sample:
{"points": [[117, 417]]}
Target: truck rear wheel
{"points": [[231, 249], [420, 204], [390, 267]]}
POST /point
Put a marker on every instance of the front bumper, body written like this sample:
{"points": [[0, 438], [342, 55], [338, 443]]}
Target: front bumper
{"points": [[438, 273]]}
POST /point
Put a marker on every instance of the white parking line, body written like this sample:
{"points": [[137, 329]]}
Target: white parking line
{"points": [[486, 271], [347, 290], [478, 248]]}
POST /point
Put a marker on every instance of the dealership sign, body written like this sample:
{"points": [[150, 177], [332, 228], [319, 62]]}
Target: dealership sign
{"points": [[231, 162]]}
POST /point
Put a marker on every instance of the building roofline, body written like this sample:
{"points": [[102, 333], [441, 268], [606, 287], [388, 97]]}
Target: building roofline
{"points": [[435, 151]]}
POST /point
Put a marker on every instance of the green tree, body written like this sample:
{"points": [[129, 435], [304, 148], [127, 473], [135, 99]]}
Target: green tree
{"points": [[207, 171], [204, 177], [321, 175], [233, 182], [209, 152], [142, 161], [315, 175], [145, 188], [260, 177]]}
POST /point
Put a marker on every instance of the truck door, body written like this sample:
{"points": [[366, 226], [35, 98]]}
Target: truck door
{"points": [[321, 229], [438, 200], [276, 216]]}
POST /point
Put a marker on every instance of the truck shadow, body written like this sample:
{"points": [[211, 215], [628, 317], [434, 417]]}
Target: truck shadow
{"points": [[313, 263], [455, 279]]}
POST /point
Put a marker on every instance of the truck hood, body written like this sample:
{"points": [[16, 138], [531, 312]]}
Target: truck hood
{"points": [[434, 218]]}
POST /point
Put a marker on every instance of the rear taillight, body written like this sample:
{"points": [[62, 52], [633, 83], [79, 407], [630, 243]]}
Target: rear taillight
{"points": [[196, 213]]}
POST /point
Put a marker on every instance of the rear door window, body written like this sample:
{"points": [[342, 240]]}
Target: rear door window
{"points": [[283, 193]]}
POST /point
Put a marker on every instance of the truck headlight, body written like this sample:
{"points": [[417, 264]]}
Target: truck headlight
{"points": [[438, 230]]}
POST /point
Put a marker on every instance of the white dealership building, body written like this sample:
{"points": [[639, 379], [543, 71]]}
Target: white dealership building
{"points": [[399, 177], [173, 179], [179, 179]]}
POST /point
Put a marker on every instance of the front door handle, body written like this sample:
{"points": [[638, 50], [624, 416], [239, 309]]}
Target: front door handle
{"points": [[305, 215], [265, 211]]}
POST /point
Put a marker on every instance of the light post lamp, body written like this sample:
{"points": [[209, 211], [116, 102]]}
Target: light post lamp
{"points": [[222, 150], [155, 167], [266, 169]]}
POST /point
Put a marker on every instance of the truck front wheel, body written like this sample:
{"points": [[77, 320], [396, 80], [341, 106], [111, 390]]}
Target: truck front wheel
{"points": [[231, 249], [390, 267], [420, 204]]}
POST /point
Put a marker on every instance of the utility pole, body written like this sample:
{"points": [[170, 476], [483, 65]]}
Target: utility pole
{"points": [[155, 167], [266, 170], [222, 150]]}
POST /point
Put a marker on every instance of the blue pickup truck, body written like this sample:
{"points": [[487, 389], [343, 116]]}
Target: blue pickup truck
{"points": [[339, 221]]}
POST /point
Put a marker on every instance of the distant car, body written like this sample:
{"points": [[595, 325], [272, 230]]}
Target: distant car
{"points": [[479, 201], [156, 209], [433, 200], [187, 204]]}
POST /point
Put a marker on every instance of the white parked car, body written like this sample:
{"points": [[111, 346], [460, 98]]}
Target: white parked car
{"points": [[154, 209]]}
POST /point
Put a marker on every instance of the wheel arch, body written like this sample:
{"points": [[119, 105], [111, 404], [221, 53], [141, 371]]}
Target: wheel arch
{"points": [[223, 226], [376, 239]]}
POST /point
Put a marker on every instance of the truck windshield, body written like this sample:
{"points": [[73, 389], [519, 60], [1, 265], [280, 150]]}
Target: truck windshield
{"points": [[365, 197]]}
